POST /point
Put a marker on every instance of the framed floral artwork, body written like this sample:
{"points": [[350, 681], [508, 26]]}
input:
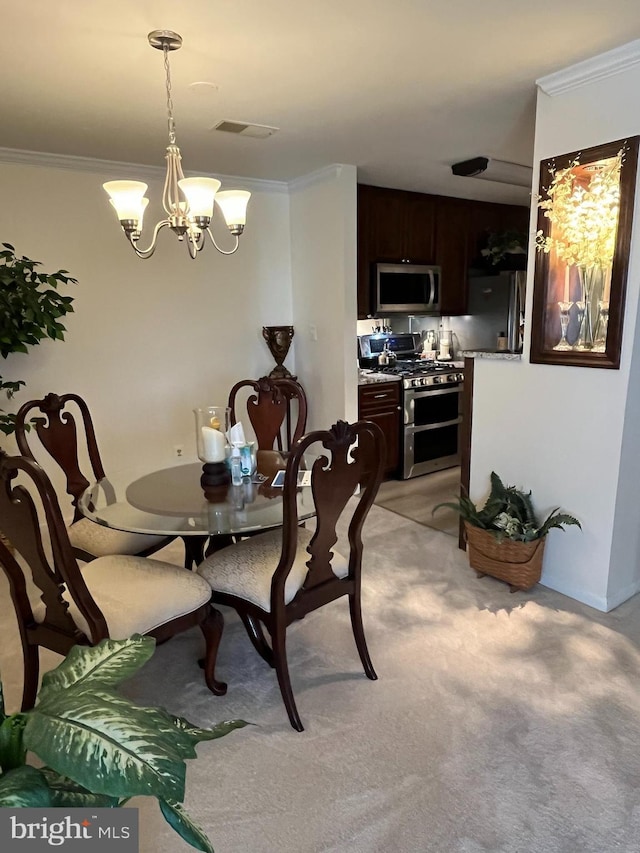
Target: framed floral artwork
{"points": [[585, 213]]}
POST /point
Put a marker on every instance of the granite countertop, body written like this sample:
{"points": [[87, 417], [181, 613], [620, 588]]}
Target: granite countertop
{"points": [[371, 377], [496, 355]]}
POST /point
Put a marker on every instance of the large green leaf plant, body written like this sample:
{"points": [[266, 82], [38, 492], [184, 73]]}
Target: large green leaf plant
{"points": [[508, 513], [99, 748], [30, 310]]}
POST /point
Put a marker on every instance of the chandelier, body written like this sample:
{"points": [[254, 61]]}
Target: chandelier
{"points": [[188, 202]]}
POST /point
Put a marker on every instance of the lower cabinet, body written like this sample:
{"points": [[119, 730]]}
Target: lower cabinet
{"points": [[380, 402]]}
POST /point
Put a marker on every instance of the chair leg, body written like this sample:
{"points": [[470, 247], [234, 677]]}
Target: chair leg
{"points": [[31, 673], [358, 633], [212, 628], [282, 671], [254, 629]]}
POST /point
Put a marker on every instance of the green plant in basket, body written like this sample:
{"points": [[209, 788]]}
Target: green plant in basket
{"points": [[99, 748], [508, 514]]}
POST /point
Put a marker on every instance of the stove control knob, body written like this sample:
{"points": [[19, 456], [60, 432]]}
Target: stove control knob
{"points": [[437, 380]]}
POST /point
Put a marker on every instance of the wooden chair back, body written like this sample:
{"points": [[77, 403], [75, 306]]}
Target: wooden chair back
{"points": [[277, 411], [355, 459], [54, 628], [20, 524], [57, 429]]}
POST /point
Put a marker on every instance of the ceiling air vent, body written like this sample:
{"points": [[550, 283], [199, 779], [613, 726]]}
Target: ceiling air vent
{"points": [[258, 131]]}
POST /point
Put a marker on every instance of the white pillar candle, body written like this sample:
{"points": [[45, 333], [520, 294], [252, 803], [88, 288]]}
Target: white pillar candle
{"points": [[213, 443], [566, 283]]}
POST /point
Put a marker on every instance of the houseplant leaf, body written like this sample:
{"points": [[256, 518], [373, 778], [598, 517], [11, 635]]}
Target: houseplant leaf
{"points": [[178, 819], [108, 664], [219, 730], [557, 519], [108, 744], [12, 750], [24, 787], [65, 793]]}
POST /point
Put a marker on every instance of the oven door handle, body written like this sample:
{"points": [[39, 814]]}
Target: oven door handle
{"points": [[420, 394], [424, 427]]}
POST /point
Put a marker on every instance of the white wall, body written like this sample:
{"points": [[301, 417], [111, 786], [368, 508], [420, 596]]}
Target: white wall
{"points": [[571, 434], [323, 268], [149, 340]]}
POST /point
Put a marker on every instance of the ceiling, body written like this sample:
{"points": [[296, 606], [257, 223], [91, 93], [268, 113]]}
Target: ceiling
{"points": [[401, 89]]}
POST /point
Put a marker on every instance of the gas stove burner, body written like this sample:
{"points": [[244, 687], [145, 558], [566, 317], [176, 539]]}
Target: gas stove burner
{"points": [[415, 367]]}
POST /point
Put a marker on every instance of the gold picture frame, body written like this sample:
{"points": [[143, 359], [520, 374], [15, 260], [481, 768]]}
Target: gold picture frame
{"points": [[585, 214]]}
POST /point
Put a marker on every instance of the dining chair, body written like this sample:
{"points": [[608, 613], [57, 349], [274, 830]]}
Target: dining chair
{"points": [[113, 597], [276, 578], [53, 421], [277, 411]]}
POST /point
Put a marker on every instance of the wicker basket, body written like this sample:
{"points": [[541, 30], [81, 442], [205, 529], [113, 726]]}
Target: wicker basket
{"points": [[517, 563]]}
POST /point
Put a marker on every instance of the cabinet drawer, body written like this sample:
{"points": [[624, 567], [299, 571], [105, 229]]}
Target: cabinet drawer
{"points": [[379, 397]]}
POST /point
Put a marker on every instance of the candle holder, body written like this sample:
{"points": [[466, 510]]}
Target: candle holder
{"points": [[600, 334], [580, 343], [212, 426], [563, 344]]}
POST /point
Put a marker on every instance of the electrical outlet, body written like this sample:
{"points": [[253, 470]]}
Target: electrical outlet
{"points": [[178, 451]]}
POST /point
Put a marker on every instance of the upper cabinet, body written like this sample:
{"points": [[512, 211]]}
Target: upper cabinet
{"points": [[401, 225], [394, 225]]}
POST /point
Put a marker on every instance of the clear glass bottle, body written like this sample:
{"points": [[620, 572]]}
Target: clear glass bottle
{"points": [[236, 467]]}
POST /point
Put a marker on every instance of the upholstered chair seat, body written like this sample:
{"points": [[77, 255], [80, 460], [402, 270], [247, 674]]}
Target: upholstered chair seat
{"points": [[246, 570], [135, 594], [91, 538]]}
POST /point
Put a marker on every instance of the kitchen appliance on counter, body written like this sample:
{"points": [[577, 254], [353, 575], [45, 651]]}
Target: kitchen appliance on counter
{"points": [[431, 404]]}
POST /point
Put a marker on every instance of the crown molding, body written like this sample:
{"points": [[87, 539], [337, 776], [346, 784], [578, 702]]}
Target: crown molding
{"points": [[132, 171], [590, 70], [317, 177]]}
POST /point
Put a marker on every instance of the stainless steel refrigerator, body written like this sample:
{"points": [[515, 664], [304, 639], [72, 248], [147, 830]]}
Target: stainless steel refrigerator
{"points": [[496, 305]]}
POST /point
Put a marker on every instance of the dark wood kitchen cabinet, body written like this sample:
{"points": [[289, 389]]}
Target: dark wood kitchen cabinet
{"points": [[395, 225], [380, 402], [452, 252], [401, 224]]}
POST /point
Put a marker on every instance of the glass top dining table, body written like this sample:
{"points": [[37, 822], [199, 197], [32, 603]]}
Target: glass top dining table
{"points": [[171, 502]]}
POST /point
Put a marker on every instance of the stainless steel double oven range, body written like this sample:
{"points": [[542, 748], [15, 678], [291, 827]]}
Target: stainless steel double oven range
{"points": [[432, 397]]}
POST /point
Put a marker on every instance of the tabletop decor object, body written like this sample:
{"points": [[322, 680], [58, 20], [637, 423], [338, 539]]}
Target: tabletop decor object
{"points": [[585, 213], [505, 538], [278, 340], [99, 748], [212, 427]]}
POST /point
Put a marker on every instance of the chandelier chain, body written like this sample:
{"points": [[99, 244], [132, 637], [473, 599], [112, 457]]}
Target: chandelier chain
{"points": [[170, 119]]}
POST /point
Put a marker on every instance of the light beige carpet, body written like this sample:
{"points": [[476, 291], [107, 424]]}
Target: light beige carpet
{"points": [[416, 499], [499, 724]]}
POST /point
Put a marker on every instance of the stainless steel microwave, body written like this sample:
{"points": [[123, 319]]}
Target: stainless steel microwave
{"points": [[407, 289]]}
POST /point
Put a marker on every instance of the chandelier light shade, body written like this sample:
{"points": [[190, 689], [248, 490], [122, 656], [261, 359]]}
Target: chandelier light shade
{"points": [[188, 202]]}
